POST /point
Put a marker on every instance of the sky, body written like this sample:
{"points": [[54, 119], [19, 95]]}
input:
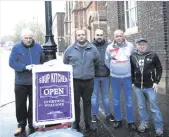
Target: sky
{"points": [[13, 11]]}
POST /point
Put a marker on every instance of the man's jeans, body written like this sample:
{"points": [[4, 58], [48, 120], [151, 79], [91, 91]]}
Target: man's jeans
{"points": [[124, 84], [144, 95], [101, 84]]}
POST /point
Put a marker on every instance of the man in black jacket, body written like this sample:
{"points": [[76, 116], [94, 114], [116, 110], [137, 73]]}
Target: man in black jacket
{"points": [[146, 74], [101, 80]]}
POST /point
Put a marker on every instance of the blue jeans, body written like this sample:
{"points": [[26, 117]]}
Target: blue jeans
{"points": [[101, 84], [124, 84], [144, 95]]}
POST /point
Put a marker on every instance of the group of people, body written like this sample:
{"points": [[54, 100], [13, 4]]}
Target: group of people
{"points": [[97, 66]]}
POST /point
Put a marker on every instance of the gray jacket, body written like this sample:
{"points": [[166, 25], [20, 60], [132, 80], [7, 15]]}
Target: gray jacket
{"points": [[83, 63]]}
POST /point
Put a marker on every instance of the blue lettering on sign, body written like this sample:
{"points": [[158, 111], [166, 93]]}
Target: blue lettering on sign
{"points": [[53, 91]]}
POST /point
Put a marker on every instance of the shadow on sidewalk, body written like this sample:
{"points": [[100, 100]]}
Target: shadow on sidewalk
{"points": [[163, 101]]}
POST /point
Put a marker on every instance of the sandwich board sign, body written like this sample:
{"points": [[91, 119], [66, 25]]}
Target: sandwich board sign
{"points": [[53, 96]]}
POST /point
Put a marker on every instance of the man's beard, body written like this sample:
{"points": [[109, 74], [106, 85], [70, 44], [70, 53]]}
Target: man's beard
{"points": [[99, 40]]}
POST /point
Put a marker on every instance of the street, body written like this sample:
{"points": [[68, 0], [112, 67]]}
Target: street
{"points": [[6, 79]]}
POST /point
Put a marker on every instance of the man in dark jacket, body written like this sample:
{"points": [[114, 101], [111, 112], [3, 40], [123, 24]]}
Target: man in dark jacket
{"points": [[84, 57], [101, 80], [22, 58], [146, 74]]}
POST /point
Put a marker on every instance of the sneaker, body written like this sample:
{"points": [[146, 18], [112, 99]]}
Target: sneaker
{"points": [[143, 126], [110, 118], [94, 118], [132, 126], [159, 132]]}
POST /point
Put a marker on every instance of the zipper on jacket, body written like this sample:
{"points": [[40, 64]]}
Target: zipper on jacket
{"points": [[142, 69], [135, 75], [30, 55], [83, 56], [83, 59], [151, 76]]}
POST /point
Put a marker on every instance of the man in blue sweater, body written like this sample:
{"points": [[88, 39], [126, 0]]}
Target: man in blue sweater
{"points": [[23, 56]]}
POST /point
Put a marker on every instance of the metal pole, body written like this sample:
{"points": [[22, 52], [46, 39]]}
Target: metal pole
{"points": [[50, 47]]}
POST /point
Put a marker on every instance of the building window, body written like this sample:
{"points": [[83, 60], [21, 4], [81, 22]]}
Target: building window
{"points": [[130, 9]]}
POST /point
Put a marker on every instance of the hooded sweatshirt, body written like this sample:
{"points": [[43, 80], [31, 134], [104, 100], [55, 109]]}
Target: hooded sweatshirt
{"points": [[117, 59]]}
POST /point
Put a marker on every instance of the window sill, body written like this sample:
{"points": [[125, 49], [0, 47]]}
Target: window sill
{"points": [[130, 31]]}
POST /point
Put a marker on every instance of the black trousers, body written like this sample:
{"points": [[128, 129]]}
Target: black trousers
{"points": [[22, 92], [84, 89]]}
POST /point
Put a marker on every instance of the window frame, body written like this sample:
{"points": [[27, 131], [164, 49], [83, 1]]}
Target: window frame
{"points": [[128, 8]]}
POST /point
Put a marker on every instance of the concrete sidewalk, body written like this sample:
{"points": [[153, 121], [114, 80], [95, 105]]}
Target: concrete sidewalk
{"points": [[8, 123], [163, 101]]}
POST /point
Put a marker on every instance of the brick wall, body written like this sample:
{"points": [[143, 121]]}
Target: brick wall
{"points": [[166, 43], [112, 18], [153, 24]]}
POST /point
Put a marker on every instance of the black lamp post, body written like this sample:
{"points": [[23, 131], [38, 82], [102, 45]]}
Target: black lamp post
{"points": [[50, 47]]}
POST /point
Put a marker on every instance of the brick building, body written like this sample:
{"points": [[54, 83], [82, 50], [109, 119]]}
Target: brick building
{"points": [[149, 19], [88, 15]]}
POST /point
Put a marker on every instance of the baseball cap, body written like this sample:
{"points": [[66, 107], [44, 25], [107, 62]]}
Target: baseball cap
{"points": [[141, 40]]}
